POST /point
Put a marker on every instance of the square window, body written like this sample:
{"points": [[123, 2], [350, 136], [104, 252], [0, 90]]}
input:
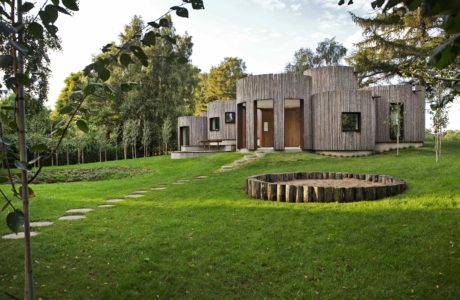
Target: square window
{"points": [[230, 117], [351, 121], [214, 124]]}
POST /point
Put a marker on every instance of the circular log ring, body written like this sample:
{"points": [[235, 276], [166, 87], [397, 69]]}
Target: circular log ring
{"points": [[288, 187]]}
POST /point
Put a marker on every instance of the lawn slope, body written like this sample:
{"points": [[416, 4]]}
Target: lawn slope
{"points": [[207, 240]]}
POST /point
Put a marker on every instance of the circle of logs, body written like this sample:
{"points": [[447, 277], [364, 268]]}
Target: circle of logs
{"points": [[277, 187]]}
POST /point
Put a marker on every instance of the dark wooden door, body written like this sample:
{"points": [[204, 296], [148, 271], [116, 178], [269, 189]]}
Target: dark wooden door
{"points": [[185, 136], [292, 127], [267, 128], [242, 127]]}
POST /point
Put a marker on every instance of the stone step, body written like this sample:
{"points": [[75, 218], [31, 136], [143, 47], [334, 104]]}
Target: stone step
{"points": [[41, 224], [134, 196], [114, 200], [260, 153], [250, 157], [20, 235], [226, 168], [106, 206], [79, 210], [71, 218]]}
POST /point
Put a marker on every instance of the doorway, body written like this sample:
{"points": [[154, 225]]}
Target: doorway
{"points": [[242, 141], [265, 123], [185, 136], [293, 123]]}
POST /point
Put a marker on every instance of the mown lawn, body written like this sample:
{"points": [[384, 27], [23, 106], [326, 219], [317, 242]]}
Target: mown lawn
{"points": [[207, 240]]}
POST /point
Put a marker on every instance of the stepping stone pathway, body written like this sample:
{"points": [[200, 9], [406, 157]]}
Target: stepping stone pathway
{"points": [[41, 224], [71, 218], [79, 210], [140, 192], [250, 157], [105, 206], [133, 196], [159, 188], [114, 200], [20, 235], [226, 168]]}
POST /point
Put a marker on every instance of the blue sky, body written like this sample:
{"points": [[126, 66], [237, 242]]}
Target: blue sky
{"points": [[264, 33]]}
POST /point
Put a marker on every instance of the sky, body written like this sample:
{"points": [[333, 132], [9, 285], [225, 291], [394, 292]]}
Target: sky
{"points": [[264, 33]]}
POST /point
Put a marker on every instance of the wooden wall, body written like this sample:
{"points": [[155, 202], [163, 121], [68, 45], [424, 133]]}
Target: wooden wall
{"points": [[327, 108], [414, 111], [198, 129], [292, 124], [332, 78], [217, 109], [276, 87]]}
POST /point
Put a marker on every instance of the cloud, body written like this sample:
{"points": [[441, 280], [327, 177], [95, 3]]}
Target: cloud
{"points": [[271, 4]]}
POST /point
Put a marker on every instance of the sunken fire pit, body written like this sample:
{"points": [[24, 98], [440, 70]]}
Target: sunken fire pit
{"points": [[322, 187]]}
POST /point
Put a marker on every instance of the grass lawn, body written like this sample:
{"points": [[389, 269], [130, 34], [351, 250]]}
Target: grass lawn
{"points": [[207, 239]]}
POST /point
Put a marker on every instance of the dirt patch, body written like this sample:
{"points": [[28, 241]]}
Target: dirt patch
{"points": [[90, 174], [337, 183]]}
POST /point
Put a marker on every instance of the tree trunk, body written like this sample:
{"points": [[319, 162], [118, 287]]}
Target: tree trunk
{"points": [[125, 151], [57, 158], [21, 123], [83, 155], [67, 156], [105, 154], [116, 152], [100, 154], [78, 155]]}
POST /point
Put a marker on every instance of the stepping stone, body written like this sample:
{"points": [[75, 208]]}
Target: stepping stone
{"points": [[41, 224], [71, 218], [105, 206], [239, 162], [114, 200], [250, 157], [158, 188], [20, 235], [226, 168], [79, 210], [140, 192], [134, 196], [201, 177], [261, 154], [183, 180], [178, 183]]}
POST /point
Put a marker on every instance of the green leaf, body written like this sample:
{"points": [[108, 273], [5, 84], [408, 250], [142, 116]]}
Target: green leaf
{"points": [[34, 160], [31, 192], [51, 29], [6, 61], [154, 24], [6, 28], [3, 179], [21, 48], [51, 12], [164, 22], [446, 53], [81, 124], [126, 87], [140, 54], [70, 4], [15, 220], [107, 47], [36, 30], [21, 165], [108, 91], [182, 60], [102, 71], [55, 2], [39, 148], [180, 11], [62, 10], [125, 59], [26, 6], [197, 4], [66, 110], [149, 39]]}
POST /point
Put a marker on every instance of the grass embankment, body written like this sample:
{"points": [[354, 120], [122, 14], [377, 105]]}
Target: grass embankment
{"points": [[207, 240]]}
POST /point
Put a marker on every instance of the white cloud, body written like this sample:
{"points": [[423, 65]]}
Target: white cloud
{"points": [[270, 4]]}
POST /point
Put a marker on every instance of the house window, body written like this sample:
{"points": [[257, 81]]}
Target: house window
{"points": [[396, 121], [214, 124], [230, 117], [351, 121]]}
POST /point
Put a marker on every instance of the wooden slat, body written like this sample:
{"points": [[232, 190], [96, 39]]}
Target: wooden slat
{"points": [[217, 109], [198, 130]]}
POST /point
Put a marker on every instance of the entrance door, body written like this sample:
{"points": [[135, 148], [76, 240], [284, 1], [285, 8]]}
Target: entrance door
{"points": [[242, 126], [293, 123], [267, 128], [185, 136]]}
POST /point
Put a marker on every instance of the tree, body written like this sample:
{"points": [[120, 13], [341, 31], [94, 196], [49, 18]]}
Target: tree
{"points": [[328, 53], [146, 137], [166, 130], [16, 55], [220, 83]]}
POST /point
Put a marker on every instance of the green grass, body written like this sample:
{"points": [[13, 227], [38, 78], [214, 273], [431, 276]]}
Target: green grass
{"points": [[207, 240]]}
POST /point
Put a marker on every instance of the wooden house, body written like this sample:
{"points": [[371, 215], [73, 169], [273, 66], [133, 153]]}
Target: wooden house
{"points": [[322, 110]]}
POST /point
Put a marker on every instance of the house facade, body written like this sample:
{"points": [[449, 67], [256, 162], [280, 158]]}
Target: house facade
{"points": [[322, 110]]}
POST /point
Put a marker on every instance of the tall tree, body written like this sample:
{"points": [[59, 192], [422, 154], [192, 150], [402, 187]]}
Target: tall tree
{"points": [[220, 83], [328, 53]]}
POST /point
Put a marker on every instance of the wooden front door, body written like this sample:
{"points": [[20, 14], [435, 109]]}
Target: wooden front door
{"points": [[267, 128], [242, 127], [292, 127]]}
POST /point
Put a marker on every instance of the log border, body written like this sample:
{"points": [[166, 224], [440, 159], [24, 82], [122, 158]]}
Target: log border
{"points": [[269, 187]]}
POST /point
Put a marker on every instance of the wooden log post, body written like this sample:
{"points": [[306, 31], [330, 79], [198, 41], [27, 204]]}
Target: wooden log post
{"points": [[337, 195], [348, 194], [328, 194], [299, 194], [319, 193], [281, 193], [309, 194], [271, 191], [263, 190], [290, 193]]}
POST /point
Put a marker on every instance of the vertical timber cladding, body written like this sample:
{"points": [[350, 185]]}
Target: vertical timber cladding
{"points": [[197, 129], [327, 117], [414, 111], [332, 78], [276, 87], [217, 109]]}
